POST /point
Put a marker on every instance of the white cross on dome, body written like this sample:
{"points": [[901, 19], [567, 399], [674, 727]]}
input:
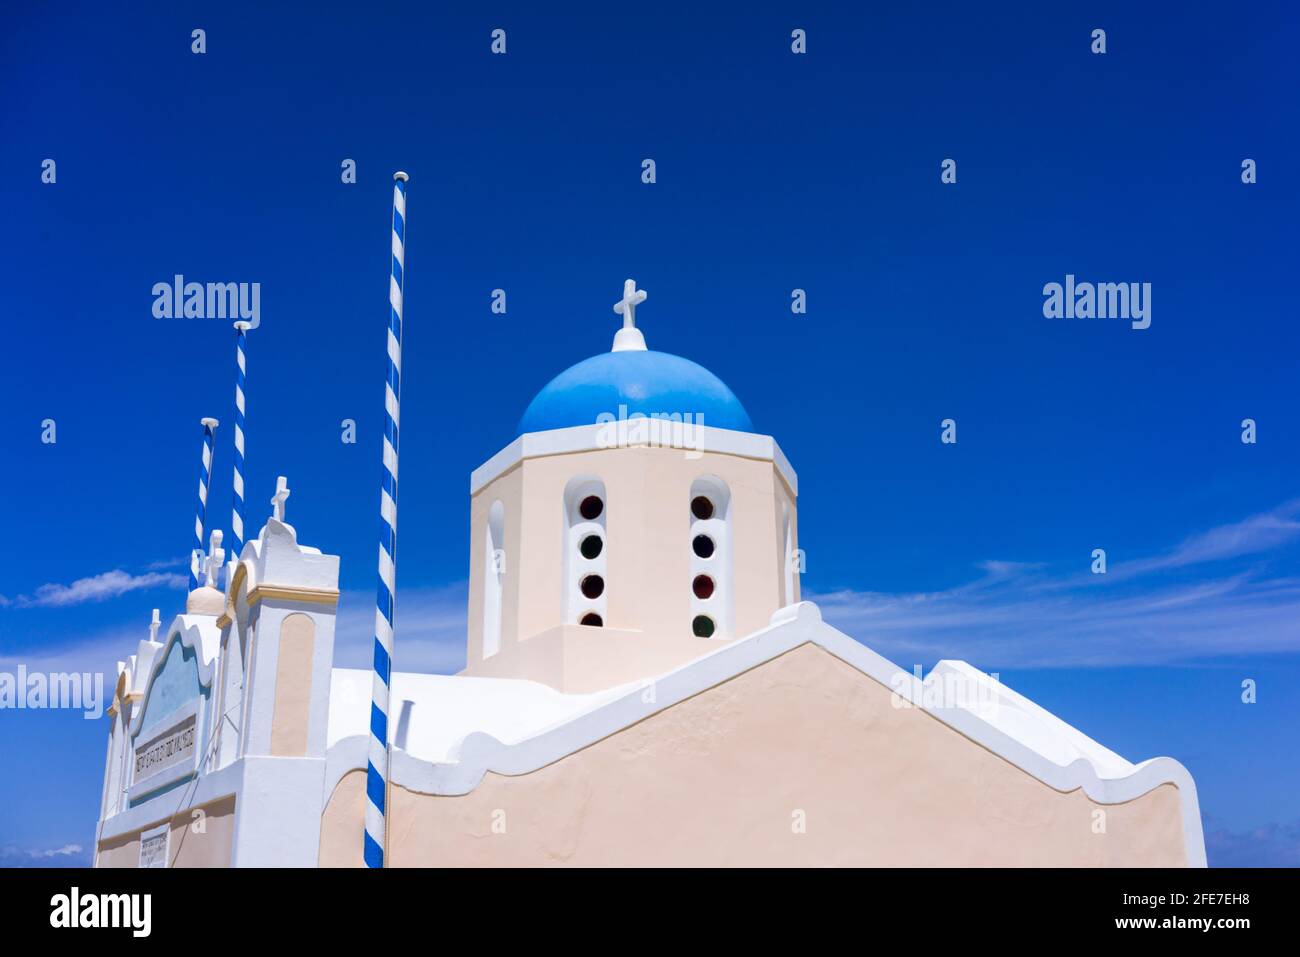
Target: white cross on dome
{"points": [[629, 338]]}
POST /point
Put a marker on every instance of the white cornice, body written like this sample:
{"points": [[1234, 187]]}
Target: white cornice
{"points": [[587, 438]]}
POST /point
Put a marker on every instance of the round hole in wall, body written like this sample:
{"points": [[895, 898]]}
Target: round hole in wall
{"points": [[592, 586], [702, 546], [702, 507], [702, 586], [591, 507], [591, 546], [702, 626], [592, 620]]}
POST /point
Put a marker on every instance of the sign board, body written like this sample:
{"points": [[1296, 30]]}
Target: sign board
{"points": [[172, 747], [168, 755]]}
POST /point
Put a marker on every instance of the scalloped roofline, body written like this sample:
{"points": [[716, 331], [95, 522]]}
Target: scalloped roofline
{"points": [[201, 635]]}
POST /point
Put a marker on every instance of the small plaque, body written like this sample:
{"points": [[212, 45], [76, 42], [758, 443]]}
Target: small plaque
{"points": [[154, 846]]}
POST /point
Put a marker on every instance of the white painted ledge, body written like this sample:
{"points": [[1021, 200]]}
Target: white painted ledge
{"points": [[587, 438]]}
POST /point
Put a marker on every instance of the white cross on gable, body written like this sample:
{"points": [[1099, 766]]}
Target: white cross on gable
{"points": [[278, 499], [216, 558]]}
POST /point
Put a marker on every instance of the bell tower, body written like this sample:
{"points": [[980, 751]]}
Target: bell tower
{"points": [[635, 523]]}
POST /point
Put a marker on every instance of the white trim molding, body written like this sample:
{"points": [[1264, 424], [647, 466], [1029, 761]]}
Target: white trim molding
{"points": [[587, 438], [1104, 781]]}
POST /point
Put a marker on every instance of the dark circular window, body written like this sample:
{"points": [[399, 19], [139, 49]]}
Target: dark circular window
{"points": [[593, 620], [702, 626], [592, 586], [703, 546], [591, 507], [591, 546], [702, 586], [701, 507]]}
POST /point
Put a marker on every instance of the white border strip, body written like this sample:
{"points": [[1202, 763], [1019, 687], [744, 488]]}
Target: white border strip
{"points": [[161, 808], [585, 438]]}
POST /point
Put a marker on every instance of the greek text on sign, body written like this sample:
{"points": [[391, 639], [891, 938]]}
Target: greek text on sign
{"points": [[171, 748], [153, 847]]}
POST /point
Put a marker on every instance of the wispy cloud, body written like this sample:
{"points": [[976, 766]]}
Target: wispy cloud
{"points": [[1024, 615], [96, 588], [95, 653], [430, 637], [431, 625], [69, 855], [166, 563], [1271, 845], [1252, 536]]}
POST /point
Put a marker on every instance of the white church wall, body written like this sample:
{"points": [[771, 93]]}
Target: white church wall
{"points": [[263, 775]]}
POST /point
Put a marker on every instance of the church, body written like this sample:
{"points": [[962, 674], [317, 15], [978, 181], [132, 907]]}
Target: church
{"points": [[644, 687]]}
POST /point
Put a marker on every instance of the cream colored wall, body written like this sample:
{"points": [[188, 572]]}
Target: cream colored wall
{"points": [[648, 573], [211, 848], [291, 720], [719, 779], [577, 660]]}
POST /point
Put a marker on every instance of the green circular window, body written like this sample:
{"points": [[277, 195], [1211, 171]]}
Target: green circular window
{"points": [[702, 626]]}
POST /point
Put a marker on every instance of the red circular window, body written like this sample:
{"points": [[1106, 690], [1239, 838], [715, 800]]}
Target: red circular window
{"points": [[702, 586]]}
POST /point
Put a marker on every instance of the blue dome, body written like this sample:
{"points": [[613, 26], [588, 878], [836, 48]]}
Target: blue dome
{"points": [[645, 382]]}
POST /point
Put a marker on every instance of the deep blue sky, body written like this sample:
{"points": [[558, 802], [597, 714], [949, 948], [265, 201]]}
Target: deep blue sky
{"points": [[775, 171]]}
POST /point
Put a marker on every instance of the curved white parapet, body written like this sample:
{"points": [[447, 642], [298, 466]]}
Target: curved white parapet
{"points": [[198, 633], [546, 725]]}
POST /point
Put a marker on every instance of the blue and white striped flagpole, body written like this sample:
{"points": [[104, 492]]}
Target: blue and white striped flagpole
{"points": [[237, 513], [377, 769], [205, 480]]}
